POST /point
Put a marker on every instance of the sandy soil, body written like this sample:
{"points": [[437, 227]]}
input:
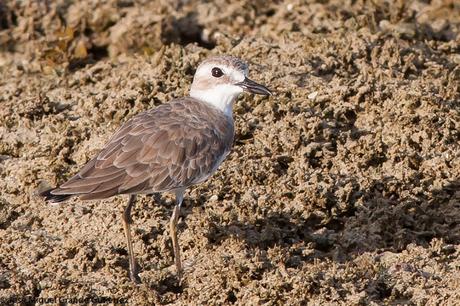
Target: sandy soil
{"points": [[343, 188]]}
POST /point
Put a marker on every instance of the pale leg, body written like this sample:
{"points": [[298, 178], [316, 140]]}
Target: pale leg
{"points": [[173, 230], [127, 226]]}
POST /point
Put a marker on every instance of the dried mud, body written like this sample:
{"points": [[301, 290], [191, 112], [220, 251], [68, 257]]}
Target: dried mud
{"points": [[342, 188]]}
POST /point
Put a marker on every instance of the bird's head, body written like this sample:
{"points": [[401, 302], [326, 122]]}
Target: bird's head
{"points": [[220, 80]]}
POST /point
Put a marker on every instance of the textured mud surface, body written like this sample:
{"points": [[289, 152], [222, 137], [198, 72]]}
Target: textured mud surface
{"points": [[343, 188]]}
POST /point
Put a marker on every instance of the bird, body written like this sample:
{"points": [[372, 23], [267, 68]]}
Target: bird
{"points": [[168, 148]]}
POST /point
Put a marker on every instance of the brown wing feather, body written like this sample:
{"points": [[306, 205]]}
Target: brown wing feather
{"points": [[172, 146]]}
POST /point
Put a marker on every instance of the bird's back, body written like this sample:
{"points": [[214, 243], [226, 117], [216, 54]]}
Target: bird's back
{"points": [[172, 146]]}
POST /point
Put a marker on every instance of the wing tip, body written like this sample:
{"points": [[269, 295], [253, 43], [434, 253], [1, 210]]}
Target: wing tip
{"points": [[48, 195]]}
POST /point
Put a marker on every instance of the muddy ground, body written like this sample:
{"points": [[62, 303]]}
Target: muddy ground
{"points": [[342, 188]]}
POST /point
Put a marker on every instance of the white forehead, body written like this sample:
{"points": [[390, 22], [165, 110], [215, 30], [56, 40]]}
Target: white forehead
{"points": [[234, 73]]}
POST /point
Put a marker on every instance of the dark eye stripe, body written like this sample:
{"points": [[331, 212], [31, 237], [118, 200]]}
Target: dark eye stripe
{"points": [[217, 72]]}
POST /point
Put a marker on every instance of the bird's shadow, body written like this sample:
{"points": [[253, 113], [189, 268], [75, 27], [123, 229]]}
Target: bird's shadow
{"points": [[381, 222]]}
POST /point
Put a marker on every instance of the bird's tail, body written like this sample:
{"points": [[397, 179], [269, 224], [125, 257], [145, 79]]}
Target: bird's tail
{"points": [[54, 198]]}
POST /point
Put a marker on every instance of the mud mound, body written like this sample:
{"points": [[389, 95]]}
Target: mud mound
{"points": [[342, 188]]}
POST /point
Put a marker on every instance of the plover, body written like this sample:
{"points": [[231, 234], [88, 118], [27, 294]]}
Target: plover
{"points": [[167, 149]]}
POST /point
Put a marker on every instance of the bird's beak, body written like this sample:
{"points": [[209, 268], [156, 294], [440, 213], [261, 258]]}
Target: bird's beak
{"points": [[253, 87]]}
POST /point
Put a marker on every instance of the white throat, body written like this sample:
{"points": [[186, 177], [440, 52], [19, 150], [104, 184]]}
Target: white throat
{"points": [[222, 96]]}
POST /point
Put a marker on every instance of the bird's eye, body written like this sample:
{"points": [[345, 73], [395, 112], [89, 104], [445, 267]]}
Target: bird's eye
{"points": [[217, 72]]}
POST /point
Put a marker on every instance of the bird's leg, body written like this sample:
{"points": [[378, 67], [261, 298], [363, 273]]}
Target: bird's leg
{"points": [[173, 230], [127, 226]]}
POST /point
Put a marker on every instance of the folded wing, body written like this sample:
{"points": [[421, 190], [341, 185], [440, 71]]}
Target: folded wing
{"points": [[172, 146]]}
